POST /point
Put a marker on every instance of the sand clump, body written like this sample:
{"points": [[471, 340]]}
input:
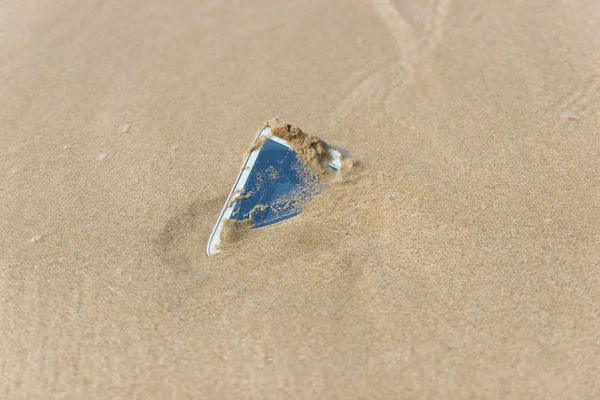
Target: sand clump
{"points": [[310, 150]]}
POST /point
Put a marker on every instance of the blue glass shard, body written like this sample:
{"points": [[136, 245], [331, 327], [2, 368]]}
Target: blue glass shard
{"points": [[277, 188]]}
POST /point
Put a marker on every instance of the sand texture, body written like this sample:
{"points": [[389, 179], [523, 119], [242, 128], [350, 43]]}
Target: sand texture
{"points": [[460, 261]]}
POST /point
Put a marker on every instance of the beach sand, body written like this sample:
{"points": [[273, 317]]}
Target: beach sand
{"points": [[461, 260]]}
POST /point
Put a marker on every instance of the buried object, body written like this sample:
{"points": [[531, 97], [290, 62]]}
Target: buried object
{"points": [[283, 170]]}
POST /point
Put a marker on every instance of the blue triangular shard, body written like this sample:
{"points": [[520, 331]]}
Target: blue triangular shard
{"points": [[272, 186]]}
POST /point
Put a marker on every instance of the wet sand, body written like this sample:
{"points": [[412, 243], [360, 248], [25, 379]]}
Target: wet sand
{"points": [[461, 260]]}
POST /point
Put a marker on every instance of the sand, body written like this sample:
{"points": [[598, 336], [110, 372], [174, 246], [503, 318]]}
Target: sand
{"points": [[461, 261]]}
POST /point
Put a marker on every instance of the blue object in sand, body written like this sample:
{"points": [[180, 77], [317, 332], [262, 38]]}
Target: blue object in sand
{"points": [[272, 186]]}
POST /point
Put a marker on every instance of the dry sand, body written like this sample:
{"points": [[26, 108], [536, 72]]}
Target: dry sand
{"points": [[461, 261]]}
